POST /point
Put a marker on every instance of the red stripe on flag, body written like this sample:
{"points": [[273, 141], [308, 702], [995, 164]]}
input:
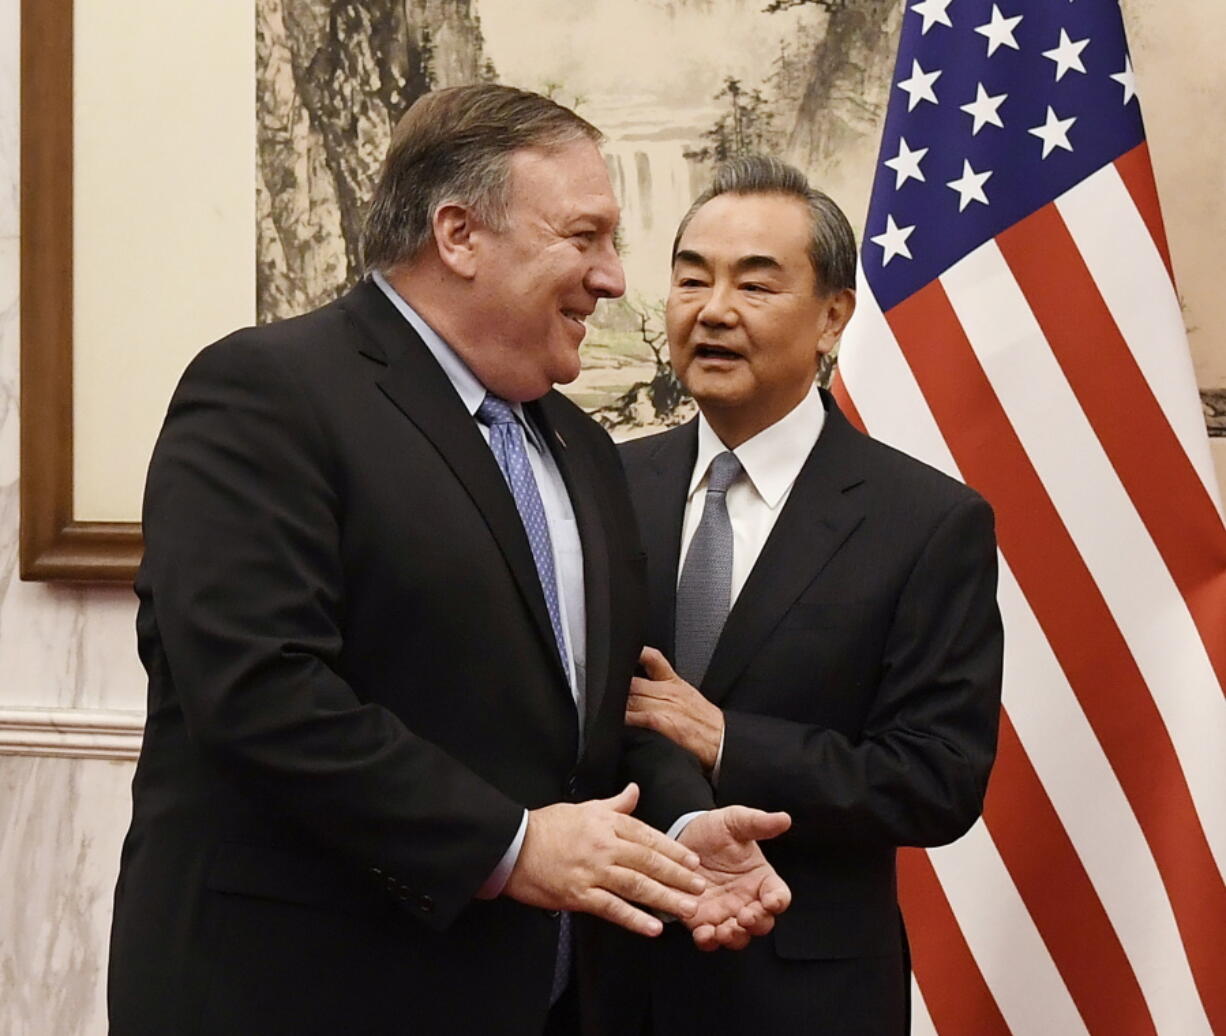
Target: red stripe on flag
{"points": [[1057, 891], [1149, 459], [958, 999], [839, 391], [1076, 622], [1137, 173]]}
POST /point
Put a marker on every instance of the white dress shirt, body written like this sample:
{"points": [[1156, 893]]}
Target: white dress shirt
{"points": [[563, 535], [770, 460]]}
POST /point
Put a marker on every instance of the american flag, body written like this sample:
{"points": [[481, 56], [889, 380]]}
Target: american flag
{"points": [[1018, 327]]}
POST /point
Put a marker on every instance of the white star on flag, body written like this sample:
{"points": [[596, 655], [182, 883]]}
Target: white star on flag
{"points": [[999, 31], [906, 164], [935, 12], [1127, 79], [985, 109], [1067, 55], [893, 241], [919, 86], [970, 185], [1054, 132]]}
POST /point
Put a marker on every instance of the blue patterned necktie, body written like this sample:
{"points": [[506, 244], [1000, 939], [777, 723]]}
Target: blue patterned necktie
{"points": [[704, 592], [511, 452]]}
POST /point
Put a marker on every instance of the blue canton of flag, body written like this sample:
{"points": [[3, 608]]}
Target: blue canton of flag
{"points": [[995, 110]]}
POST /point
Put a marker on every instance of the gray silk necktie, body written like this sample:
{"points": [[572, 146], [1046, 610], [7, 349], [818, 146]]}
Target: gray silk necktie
{"points": [[704, 592]]}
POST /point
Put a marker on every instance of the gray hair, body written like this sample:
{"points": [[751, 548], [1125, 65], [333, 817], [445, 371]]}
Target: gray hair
{"points": [[832, 244], [455, 145]]}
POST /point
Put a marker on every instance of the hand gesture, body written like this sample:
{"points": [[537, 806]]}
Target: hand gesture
{"points": [[743, 894], [594, 857], [664, 702]]}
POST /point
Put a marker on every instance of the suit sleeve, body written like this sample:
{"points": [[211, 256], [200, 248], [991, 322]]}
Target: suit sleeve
{"points": [[918, 774], [243, 522]]}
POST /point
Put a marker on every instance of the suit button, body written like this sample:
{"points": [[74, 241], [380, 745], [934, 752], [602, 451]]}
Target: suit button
{"points": [[555, 914], [425, 904], [391, 884], [402, 894], [376, 872]]}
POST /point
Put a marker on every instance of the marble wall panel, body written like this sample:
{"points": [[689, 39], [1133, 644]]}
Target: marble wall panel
{"points": [[62, 822]]}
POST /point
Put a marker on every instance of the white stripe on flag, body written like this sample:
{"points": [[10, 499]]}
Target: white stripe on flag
{"points": [[1085, 793], [1112, 540], [1132, 278], [882, 386], [921, 1021], [1003, 938]]}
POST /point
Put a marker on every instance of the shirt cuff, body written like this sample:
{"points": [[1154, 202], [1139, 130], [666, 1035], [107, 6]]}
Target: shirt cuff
{"points": [[719, 757], [497, 880], [682, 822]]}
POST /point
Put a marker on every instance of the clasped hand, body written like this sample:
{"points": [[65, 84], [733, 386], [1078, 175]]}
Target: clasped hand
{"points": [[595, 857]]}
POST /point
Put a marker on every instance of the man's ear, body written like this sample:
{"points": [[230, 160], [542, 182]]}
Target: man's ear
{"points": [[837, 310], [454, 228]]}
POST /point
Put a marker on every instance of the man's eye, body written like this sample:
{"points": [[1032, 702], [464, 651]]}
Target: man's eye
{"points": [[689, 282]]}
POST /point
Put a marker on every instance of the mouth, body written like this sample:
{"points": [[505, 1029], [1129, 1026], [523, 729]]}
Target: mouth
{"points": [[577, 317], [716, 353]]}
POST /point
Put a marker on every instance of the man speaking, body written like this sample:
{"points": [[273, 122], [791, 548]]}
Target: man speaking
{"points": [[390, 607], [828, 606]]}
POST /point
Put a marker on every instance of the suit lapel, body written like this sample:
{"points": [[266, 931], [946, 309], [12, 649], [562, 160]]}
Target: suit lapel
{"points": [[662, 509], [417, 385], [581, 480], [819, 517]]}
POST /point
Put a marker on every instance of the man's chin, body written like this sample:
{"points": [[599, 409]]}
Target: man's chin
{"points": [[565, 369], [718, 391]]}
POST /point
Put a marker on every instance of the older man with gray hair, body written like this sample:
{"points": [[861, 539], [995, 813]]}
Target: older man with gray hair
{"points": [[825, 637], [390, 606]]}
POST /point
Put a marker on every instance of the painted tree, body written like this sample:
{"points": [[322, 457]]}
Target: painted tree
{"points": [[333, 77]]}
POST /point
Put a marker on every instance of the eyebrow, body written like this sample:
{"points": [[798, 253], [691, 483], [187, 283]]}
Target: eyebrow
{"points": [[746, 262]]}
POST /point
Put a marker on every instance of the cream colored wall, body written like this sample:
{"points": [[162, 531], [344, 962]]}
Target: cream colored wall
{"points": [[71, 688], [1177, 48], [164, 233]]}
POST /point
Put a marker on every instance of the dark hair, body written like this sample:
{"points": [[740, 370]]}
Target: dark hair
{"points": [[455, 145], [832, 244]]}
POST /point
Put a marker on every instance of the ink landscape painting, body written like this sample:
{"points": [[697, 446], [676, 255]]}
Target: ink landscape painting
{"points": [[676, 86]]}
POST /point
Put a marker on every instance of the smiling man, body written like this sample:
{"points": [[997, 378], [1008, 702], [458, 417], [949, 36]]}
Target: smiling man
{"points": [[825, 637], [390, 606]]}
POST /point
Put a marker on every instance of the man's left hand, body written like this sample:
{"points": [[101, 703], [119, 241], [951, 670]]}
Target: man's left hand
{"points": [[664, 702], [743, 894]]}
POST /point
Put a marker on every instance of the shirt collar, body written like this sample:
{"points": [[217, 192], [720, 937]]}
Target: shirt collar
{"points": [[771, 459], [463, 380]]}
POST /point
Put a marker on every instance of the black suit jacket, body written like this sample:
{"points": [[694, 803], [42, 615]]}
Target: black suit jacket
{"points": [[859, 674], [354, 692]]}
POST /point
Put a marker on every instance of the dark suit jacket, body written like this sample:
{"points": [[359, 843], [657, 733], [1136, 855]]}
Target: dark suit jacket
{"points": [[354, 692], [859, 674]]}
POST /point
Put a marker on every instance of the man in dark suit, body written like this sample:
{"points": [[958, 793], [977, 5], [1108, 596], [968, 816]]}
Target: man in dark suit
{"points": [[829, 604], [389, 607]]}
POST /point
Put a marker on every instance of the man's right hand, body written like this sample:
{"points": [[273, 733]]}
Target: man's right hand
{"points": [[595, 857]]}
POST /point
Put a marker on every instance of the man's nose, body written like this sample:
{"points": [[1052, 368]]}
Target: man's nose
{"points": [[718, 309], [607, 279]]}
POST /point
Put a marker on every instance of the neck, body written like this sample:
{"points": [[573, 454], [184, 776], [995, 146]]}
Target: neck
{"points": [[735, 425]]}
